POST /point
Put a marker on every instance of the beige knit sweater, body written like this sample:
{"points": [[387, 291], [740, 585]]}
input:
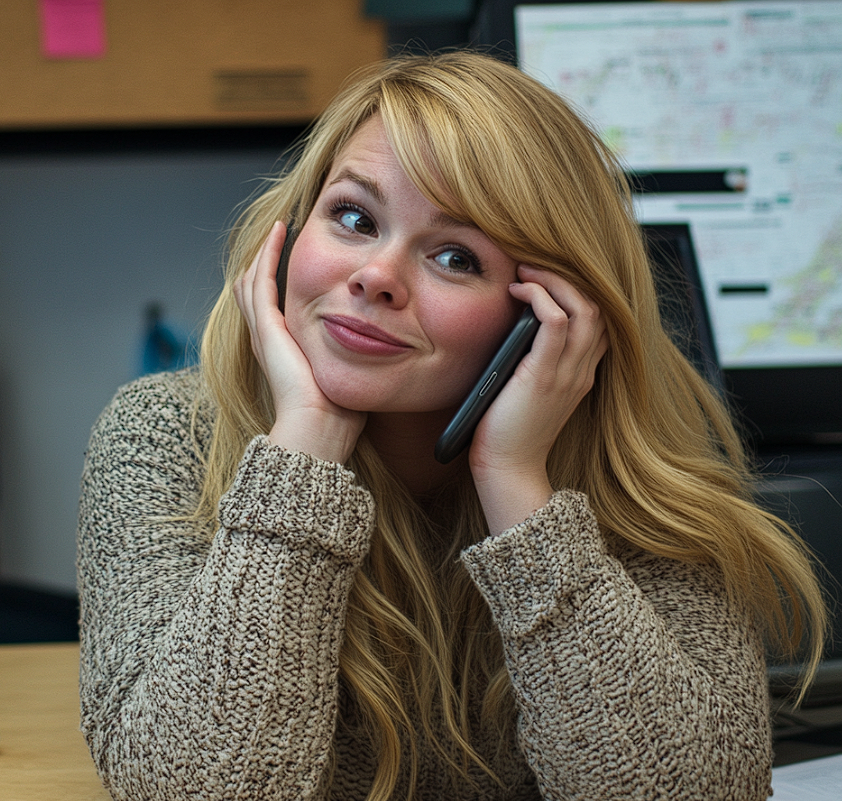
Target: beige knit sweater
{"points": [[209, 668]]}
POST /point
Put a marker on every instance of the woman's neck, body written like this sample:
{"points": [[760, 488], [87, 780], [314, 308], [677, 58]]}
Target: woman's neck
{"points": [[405, 443]]}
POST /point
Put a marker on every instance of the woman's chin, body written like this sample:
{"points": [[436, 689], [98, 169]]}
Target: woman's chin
{"points": [[376, 399], [357, 397]]}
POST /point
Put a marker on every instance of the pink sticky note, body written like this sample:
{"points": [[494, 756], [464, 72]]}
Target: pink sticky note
{"points": [[73, 28]]}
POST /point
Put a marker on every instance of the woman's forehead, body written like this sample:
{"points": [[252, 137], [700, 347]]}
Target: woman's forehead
{"points": [[371, 145]]}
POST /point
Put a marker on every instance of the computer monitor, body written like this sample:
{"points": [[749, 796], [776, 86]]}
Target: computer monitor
{"points": [[801, 488], [727, 116], [680, 296], [728, 119]]}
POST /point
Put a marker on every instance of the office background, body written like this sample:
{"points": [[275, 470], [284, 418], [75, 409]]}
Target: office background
{"points": [[97, 221]]}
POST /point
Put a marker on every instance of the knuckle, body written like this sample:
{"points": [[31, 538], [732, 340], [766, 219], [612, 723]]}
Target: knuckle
{"points": [[557, 318]]}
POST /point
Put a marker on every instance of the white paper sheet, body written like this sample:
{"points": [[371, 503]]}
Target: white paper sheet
{"points": [[814, 780]]}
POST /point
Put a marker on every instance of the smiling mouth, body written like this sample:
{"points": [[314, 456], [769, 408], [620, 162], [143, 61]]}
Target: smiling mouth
{"points": [[362, 337]]}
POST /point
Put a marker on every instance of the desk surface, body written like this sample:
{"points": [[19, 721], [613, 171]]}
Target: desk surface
{"points": [[43, 756]]}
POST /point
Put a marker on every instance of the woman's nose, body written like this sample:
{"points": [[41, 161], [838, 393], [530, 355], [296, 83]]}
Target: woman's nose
{"points": [[382, 279]]}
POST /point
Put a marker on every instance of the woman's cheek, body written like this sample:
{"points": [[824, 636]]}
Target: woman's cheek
{"points": [[472, 334]]}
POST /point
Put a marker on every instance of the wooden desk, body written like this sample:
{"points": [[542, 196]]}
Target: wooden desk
{"points": [[43, 756]]}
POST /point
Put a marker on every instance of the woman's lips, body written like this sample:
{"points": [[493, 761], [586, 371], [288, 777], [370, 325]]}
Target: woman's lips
{"points": [[362, 337]]}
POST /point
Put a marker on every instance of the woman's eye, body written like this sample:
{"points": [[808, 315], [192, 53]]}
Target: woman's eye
{"points": [[456, 260], [357, 221]]}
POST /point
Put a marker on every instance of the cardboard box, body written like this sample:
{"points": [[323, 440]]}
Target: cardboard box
{"points": [[177, 62]]}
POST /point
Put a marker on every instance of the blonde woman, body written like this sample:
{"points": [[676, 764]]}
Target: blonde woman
{"points": [[285, 596]]}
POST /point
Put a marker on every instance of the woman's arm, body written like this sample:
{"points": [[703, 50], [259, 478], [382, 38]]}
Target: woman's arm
{"points": [[634, 677], [209, 668], [509, 450]]}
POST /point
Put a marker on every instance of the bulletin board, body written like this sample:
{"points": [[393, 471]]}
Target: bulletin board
{"points": [[107, 63]]}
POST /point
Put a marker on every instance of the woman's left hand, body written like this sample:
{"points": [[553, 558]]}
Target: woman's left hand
{"points": [[508, 454]]}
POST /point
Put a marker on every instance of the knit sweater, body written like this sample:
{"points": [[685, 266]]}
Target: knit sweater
{"points": [[210, 664]]}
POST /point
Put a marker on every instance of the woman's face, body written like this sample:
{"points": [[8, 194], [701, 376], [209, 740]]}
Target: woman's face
{"points": [[396, 306]]}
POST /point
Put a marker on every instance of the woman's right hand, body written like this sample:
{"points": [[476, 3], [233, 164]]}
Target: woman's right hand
{"points": [[305, 418]]}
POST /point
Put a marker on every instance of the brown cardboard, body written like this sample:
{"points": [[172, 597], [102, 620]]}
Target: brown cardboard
{"points": [[187, 62]]}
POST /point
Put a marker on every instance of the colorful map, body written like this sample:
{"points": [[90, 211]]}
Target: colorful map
{"points": [[752, 92]]}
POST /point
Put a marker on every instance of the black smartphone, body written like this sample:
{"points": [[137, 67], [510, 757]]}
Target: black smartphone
{"points": [[283, 265], [459, 431]]}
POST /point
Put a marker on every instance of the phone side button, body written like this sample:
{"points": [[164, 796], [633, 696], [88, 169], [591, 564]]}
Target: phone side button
{"points": [[487, 385]]}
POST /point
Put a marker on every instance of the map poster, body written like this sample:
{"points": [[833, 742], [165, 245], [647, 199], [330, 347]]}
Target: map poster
{"points": [[734, 112]]}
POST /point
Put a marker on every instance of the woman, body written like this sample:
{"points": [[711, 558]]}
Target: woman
{"points": [[285, 595]]}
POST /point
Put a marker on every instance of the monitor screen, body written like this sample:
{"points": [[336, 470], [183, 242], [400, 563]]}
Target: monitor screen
{"points": [[728, 117]]}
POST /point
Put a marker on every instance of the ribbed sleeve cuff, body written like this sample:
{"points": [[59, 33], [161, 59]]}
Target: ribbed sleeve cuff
{"points": [[288, 493], [525, 572]]}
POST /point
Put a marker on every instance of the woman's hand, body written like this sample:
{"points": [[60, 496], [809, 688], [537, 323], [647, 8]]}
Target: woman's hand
{"points": [[305, 419], [509, 450]]}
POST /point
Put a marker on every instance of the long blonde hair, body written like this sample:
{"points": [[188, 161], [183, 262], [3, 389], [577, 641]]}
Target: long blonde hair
{"points": [[655, 448]]}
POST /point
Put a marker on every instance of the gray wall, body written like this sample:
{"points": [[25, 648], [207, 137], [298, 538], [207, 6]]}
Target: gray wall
{"points": [[86, 241]]}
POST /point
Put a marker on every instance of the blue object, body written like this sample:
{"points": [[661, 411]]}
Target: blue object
{"points": [[164, 348]]}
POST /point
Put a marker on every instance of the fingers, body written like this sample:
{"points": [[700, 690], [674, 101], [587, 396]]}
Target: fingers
{"points": [[256, 293], [305, 419], [256, 290], [508, 455], [550, 381], [262, 272], [573, 335]]}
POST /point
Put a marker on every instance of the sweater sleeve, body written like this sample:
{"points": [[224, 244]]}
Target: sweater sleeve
{"points": [[209, 667], [634, 676]]}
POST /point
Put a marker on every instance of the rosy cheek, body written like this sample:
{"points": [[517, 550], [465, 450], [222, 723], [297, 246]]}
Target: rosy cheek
{"points": [[302, 287], [471, 333], [478, 319], [303, 273]]}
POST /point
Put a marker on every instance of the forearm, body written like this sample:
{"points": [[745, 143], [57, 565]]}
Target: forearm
{"points": [[229, 657], [244, 679], [626, 684]]}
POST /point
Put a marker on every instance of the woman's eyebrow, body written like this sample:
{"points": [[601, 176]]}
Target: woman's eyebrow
{"points": [[438, 219], [368, 185], [441, 219]]}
